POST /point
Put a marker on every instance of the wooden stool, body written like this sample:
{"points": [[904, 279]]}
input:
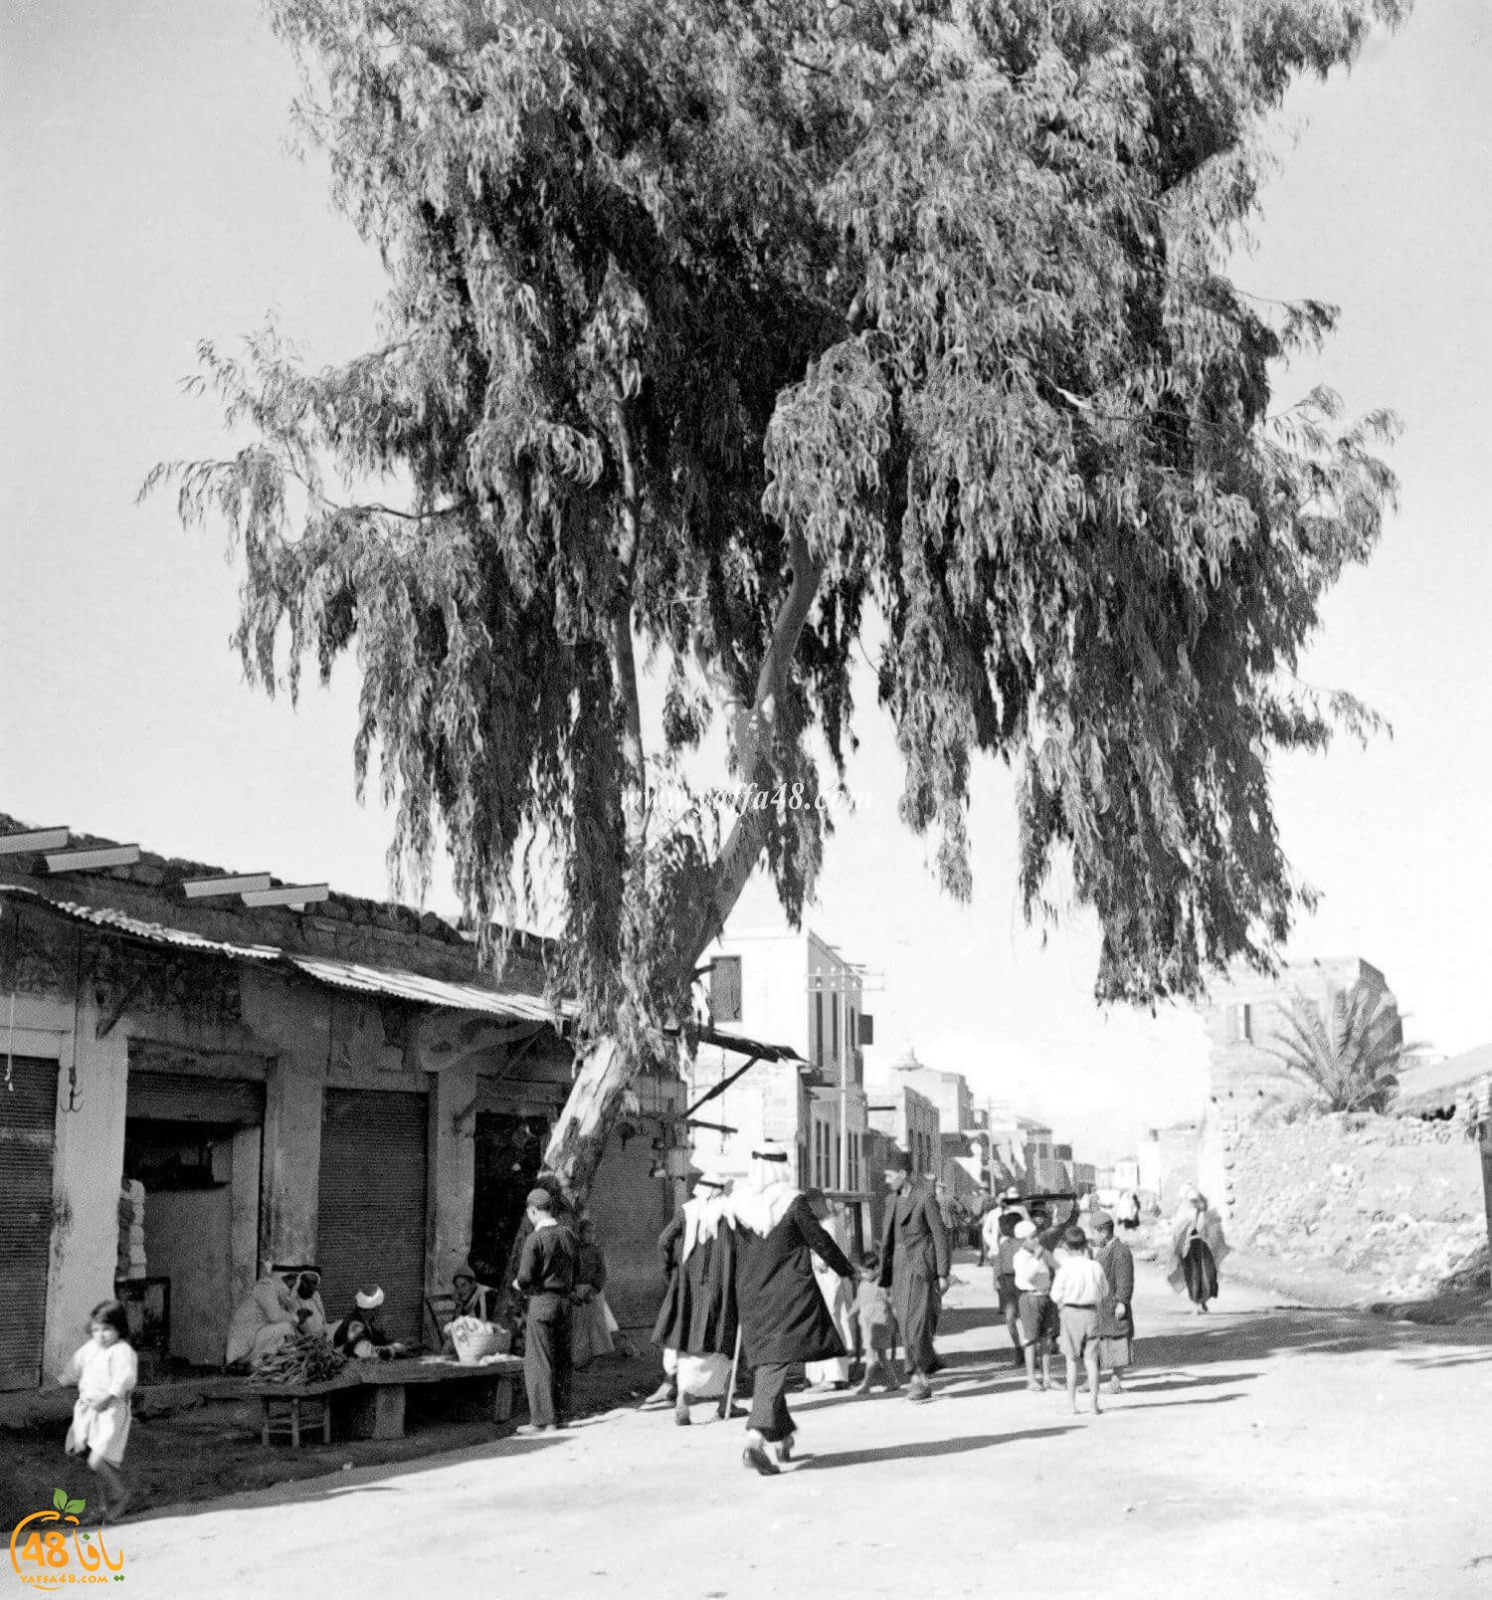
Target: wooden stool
{"points": [[283, 1417]]}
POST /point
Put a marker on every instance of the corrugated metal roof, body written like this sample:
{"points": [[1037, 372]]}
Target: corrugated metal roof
{"points": [[394, 982], [430, 991], [510, 1004], [138, 928]]}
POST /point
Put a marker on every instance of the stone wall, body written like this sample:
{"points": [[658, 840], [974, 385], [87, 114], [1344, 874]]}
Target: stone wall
{"points": [[1395, 1203]]}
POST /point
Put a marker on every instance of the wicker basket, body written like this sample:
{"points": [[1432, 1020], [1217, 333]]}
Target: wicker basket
{"points": [[472, 1342]]}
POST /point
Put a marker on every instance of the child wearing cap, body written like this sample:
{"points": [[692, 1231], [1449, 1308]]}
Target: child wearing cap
{"points": [[1037, 1316]]}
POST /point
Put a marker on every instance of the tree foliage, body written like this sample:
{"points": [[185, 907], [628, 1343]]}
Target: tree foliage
{"points": [[1348, 1053], [728, 334]]}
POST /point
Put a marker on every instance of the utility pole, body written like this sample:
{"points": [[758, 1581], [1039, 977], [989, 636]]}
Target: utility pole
{"points": [[1482, 1122]]}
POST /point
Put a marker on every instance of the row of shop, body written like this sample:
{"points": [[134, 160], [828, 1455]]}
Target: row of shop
{"points": [[180, 1110]]}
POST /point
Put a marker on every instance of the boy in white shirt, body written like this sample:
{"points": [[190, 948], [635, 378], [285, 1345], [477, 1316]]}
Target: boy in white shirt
{"points": [[1037, 1314], [1077, 1291]]}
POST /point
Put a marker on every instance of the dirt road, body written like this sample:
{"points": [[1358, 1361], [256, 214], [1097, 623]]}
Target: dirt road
{"points": [[1262, 1451]]}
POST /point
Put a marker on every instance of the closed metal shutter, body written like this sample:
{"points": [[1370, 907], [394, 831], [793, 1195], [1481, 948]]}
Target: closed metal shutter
{"points": [[370, 1226], [188, 1097], [28, 1118]]}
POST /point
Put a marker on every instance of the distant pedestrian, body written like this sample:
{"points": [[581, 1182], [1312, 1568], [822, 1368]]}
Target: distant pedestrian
{"points": [[105, 1371], [1197, 1251], [981, 1211], [999, 1234], [1128, 1211], [1034, 1270], [915, 1267], [546, 1277], [1078, 1290], [877, 1323], [1116, 1316], [783, 1316]]}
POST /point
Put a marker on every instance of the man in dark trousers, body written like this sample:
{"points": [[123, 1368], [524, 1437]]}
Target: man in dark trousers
{"points": [[1116, 1312], [782, 1312], [546, 1276], [915, 1267]]}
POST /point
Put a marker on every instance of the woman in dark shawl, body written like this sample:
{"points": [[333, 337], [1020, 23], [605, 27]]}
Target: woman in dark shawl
{"points": [[1197, 1250]]}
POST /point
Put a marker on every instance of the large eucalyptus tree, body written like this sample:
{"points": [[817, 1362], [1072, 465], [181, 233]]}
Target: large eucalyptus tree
{"points": [[729, 335]]}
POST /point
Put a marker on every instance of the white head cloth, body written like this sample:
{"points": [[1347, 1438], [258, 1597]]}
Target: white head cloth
{"points": [[702, 1218], [769, 1194]]}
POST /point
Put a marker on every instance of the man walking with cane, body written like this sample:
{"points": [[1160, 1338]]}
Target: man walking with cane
{"points": [[783, 1317]]}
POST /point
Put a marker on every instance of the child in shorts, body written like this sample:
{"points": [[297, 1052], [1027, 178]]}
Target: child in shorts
{"points": [[1079, 1291], [1034, 1268]]}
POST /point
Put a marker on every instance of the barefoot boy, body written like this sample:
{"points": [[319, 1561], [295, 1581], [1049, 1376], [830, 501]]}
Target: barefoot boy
{"points": [[1077, 1291]]}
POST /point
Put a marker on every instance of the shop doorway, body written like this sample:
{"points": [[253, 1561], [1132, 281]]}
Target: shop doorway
{"points": [[193, 1143], [509, 1151]]}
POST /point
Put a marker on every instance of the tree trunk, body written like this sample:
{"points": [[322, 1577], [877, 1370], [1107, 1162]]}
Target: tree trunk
{"points": [[580, 1135], [585, 1124]]}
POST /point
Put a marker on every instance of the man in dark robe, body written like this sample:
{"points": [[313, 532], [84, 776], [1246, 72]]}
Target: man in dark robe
{"points": [[915, 1267], [782, 1312], [1116, 1314], [546, 1277], [696, 1326]]}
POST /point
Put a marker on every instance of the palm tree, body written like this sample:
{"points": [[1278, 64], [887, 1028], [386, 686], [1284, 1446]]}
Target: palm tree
{"points": [[1349, 1054]]}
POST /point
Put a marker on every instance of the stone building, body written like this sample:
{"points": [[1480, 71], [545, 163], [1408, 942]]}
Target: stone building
{"points": [[1243, 1019], [198, 1087], [910, 1120], [806, 1090]]}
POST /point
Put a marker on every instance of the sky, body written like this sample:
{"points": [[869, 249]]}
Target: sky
{"points": [[152, 199]]}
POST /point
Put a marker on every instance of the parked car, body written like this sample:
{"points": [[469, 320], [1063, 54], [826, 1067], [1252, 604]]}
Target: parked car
{"points": [[1052, 1213]]}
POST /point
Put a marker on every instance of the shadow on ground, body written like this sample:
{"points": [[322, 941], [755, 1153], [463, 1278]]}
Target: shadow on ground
{"points": [[929, 1448]]}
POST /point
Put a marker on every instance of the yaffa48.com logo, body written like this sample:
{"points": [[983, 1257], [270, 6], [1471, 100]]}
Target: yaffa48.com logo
{"points": [[49, 1550]]}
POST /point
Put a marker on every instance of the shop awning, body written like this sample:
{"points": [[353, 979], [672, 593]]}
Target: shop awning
{"points": [[400, 985], [741, 1046]]}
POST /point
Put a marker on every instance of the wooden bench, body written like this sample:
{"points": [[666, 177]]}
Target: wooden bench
{"points": [[369, 1397]]}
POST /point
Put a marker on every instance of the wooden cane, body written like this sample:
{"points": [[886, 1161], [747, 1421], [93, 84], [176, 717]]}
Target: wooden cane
{"points": [[728, 1403]]}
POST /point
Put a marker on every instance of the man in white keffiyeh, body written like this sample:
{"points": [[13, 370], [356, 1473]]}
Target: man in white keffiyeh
{"points": [[783, 1315]]}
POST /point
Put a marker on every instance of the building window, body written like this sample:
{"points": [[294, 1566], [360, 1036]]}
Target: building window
{"points": [[834, 1023], [725, 989], [818, 1028]]}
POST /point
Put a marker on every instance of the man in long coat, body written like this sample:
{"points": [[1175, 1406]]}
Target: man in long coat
{"points": [[915, 1267], [783, 1315], [696, 1326], [1116, 1324]]}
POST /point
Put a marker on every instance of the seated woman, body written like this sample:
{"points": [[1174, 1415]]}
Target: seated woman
{"points": [[468, 1299], [360, 1335]]}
